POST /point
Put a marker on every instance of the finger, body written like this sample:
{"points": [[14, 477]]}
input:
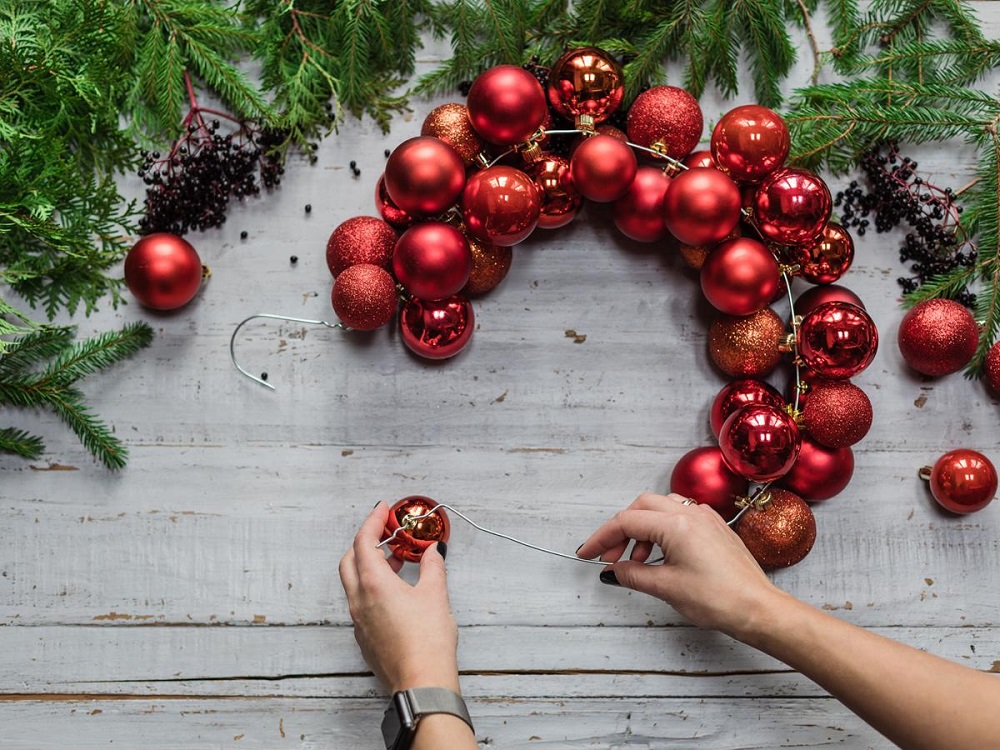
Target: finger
{"points": [[641, 551], [369, 559], [349, 574], [395, 563], [652, 501], [641, 525], [655, 580], [433, 574]]}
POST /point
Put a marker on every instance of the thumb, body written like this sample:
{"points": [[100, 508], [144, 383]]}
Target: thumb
{"points": [[648, 579], [432, 570]]}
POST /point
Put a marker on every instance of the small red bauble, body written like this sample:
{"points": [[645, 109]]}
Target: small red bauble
{"points": [[993, 368], [388, 210], [424, 176], [962, 481], [819, 472], [586, 83], [792, 206], [938, 337], [666, 119], [837, 340], [364, 296], [163, 271], [836, 413], [450, 123], [746, 346], [603, 168], [828, 258], [779, 534], [561, 200], [750, 142], [361, 239], [699, 159], [490, 264], [410, 543], [432, 260], [737, 394], [501, 205], [437, 329], [702, 206], [815, 296], [703, 475], [740, 277], [760, 442], [639, 213], [506, 105]]}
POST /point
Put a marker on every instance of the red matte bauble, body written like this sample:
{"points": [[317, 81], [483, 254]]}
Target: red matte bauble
{"points": [[781, 533], [836, 413], [450, 123], [963, 481], [666, 119], [992, 368], [605, 129], [938, 337], [387, 209], [702, 206], [750, 142], [410, 543], [760, 442], [737, 394], [703, 475], [639, 213], [746, 346], [586, 82], [828, 258], [699, 159], [437, 329], [603, 168], [837, 340], [561, 201], [424, 176], [819, 472], [501, 205], [506, 105], [361, 239], [815, 296], [364, 297], [740, 277], [432, 260], [490, 264], [792, 206], [163, 271]]}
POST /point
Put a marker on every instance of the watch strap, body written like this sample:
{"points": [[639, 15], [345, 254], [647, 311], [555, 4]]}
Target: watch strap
{"points": [[435, 700]]}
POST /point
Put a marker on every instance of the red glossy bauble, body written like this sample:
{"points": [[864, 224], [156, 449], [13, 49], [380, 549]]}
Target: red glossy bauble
{"points": [[992, 368], [586, 82], [836, 413], [750, 142], [837, 340], [815, 296], [702, 206], [437, 329], [963, 481], [792, 206], [501, 205], [699, 159], [360, 239], [387, 209], [746, 346], [639, 213], [737, 394], [703, 475], [410, 543], [506, 105], [561, 201], [666, 119], [432, 260], [364, 297], [938, 337], [760, 442], [163, 271], [828, 258], [781, 533], [603, 168], [819, 472], [450, 123], [740, 277], [424, 176]]}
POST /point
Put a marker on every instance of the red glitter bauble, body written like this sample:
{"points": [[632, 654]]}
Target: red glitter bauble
{"points": [[409, 544], [432, 260], [490, 264], [603, 168], [750, 142], [792, 206], [819, 472], [586, 82], [666, 119], [836, 414], [746, 346], [506, 105], [992, 368], [815, 296], [163, 271], [699, 159], [364, 297], [561, 201], [938, 337], [837, 340], [760, 442], [424, 176], [781, 533], [963, 481], [639, 213], [702, 206], [740, 277], [737, 394], [387, 209], [703, 475], [450, 123], [361, 239], [437, 329], [501, 205]]}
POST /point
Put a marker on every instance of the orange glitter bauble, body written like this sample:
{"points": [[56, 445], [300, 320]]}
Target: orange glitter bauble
{"points": [[410, 543], [693, 255], [450, 123], [780, 534], [490, 264], [746, 346]]}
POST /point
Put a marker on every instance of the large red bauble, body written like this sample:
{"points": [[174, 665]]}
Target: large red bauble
{"points": [[703, 475], [992, 368], [963, 481], [603, 168], [388, 210], [815, 296], [561, 200], [432, 260], [737, 394], [163, 271], [361, 239], [779, 534], [437, 329], [410, 544], [506, 105], [828, 258], [501, 205], [938, 337], [750, 142], [837, 340], [450, 123], [746, 346], [702, 206], [760, 442], [666, 119], [364, 297], [836, 413], [740, 276], [639, 213], [819, 472], [586, 82], [424, 176], [792, 206]]}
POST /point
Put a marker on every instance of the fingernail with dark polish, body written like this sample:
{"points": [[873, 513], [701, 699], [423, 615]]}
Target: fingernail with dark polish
{"points": [[609, 577], [442, 548], [376, 505], [579, 548]]}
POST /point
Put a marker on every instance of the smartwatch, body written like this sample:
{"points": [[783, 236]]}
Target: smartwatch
{"points": [[407, 707]]}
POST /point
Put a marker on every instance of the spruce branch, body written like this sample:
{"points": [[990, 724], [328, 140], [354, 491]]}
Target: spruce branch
{"points": [[20, 443]]}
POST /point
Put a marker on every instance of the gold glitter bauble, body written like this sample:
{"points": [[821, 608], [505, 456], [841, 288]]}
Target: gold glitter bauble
{"points": [[450, 123], [780, 534], [746, 346], [693, 255], [490, 264]]}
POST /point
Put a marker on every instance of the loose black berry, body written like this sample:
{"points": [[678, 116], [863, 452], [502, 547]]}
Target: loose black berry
{"points": [[294, 259], [309, 208], [263, 376], [387, 152], [244, 234]]}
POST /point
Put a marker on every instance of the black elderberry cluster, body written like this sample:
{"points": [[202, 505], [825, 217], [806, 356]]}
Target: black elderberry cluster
{"points": [[894, 195]]}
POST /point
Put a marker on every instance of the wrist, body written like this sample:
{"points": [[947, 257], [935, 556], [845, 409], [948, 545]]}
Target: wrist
{"points": [[439, 676], [763, 618]]}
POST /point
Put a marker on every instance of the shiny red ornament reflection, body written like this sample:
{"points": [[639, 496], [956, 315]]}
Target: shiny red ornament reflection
{"points": [[740, 277], [639, 213], [163, 271], [792, 206], [699, 159], [603, 168], [501, 205], [560, 200], [815, 296], [409, 544], [962, 481], [432, 260], [437, 329], [739, 393], [837, 340], [424, 176], [387, 209], [750, 142], [506, 105], [702, 206], [828, 258], [760, 442], [703, 475], [819, 472], [586, 83]]}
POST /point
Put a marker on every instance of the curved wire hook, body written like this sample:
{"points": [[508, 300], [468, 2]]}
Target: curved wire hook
{"points": [[232, 339]]}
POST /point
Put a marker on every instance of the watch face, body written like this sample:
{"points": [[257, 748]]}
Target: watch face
{"points": [[398, 726]]}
